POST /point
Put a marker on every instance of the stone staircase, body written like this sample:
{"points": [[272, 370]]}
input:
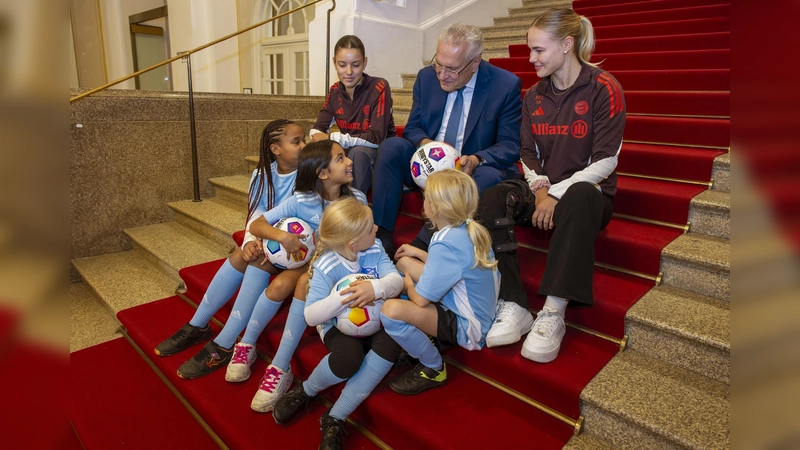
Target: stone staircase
{"points": [[668, 389]]}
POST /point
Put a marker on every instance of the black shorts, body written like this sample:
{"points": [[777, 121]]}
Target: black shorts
{"points": [[446, 325], [347, 352]]}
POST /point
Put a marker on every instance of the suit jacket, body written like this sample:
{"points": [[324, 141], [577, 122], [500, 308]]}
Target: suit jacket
{"points": [[492, 129]]}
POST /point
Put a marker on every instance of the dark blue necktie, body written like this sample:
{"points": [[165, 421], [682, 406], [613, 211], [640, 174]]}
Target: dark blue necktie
{"points": [[451, 134]]}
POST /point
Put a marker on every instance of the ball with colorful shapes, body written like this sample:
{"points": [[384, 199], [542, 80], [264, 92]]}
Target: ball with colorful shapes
{"points": [[358, 322], [278, 256], [431, 157]]}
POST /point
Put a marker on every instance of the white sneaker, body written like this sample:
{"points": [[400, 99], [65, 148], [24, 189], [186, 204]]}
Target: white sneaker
{"points": [[511, 323], [544, 340], [244, 355], [273, 386]]}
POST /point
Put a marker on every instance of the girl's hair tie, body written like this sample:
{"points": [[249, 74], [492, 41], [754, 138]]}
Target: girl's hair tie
{"points": [[468, 221]]}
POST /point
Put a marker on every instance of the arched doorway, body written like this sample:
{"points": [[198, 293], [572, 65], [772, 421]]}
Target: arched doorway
{"points": [[282, 48]]}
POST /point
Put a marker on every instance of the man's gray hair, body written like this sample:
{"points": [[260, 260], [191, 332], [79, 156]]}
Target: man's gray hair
{"points": [[458, 34]]}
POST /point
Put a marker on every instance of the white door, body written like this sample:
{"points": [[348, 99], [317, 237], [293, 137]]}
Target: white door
{"points": [[284, 69]]}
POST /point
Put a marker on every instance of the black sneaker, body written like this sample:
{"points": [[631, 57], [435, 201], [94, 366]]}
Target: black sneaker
{"points": [[419, 379], [186, 337], [404, 359], [291, 402], [332, 430], [209, 359]]}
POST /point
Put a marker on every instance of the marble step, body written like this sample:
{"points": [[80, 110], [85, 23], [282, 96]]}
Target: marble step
{"points": [[213, 218], [639, 402], [538, 6], [546, 3], [172, 246], [506, 31], [402, 98], [721, 173], [487, 54], [252, 163], [710, 213], [90, 321], [233, 189], [586, 441], [682, 328], [400, 115], [698, 263], [408, 80], [124, 279]]}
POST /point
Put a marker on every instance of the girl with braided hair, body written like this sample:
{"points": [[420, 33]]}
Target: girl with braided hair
{"points": [[272, 182]]}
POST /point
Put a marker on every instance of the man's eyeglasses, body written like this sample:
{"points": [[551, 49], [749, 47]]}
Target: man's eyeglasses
{"points": [[447, 71]]}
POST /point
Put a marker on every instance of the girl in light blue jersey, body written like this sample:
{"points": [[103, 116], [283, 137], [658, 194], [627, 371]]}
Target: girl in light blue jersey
{"points": [[323, 175], [272, 182], [455, 295], [347, 246]]}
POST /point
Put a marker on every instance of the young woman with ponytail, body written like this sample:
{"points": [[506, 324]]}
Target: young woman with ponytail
{"points": [[572, 125], [452, 288]]}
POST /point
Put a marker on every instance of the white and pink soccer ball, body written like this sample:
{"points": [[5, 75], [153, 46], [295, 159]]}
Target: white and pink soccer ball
{"points": [[431, 157], [277, 254], [357, 322]]}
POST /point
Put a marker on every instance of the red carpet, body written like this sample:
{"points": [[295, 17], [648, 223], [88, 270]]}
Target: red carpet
{"points": [[36, 394], [394, 418], [118, 401], [224, 406], [695, 41]]}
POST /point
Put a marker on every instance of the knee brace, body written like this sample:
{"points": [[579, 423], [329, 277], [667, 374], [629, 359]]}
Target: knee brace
{"points": [[515, 205]]}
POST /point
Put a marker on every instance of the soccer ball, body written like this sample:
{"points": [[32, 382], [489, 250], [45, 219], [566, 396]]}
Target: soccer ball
{"points": [[357, 322], [277, 254], [431, 157]]}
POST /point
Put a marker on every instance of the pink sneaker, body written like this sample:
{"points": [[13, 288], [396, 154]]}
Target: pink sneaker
{"points": [[244, 355], [274, 384]]}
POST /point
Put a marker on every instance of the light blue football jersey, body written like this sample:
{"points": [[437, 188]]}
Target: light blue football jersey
{"points": [[283, 184], [449, 278], [305, 205], [331, 267]]}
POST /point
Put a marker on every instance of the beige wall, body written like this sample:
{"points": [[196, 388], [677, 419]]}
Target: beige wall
{"points": [[131, 154], [88, 35]]}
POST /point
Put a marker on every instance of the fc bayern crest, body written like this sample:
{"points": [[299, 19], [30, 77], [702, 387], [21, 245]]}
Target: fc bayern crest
{"points": [[436, 153]]}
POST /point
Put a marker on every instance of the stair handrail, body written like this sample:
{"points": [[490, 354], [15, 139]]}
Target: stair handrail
{"points": [[187, 56], [187, 53]]}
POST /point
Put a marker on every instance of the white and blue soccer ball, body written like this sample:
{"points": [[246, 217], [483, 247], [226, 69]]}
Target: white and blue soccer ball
{"points": [[278, 256], [431, 157], [357, 322]]}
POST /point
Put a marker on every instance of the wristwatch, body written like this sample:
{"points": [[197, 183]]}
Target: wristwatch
{"points": [[481, 161]]}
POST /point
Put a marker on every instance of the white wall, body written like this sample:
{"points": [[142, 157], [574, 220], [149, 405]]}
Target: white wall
{"points": [[398, 39], [117, 36], [193, 23]]}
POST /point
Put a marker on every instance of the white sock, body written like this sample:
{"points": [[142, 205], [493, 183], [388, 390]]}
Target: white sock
{"points": [[557, 303]]}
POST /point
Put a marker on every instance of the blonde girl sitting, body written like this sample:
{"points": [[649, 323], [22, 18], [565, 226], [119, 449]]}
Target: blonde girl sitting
{"points": [[452, 288], [346, 246]]}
